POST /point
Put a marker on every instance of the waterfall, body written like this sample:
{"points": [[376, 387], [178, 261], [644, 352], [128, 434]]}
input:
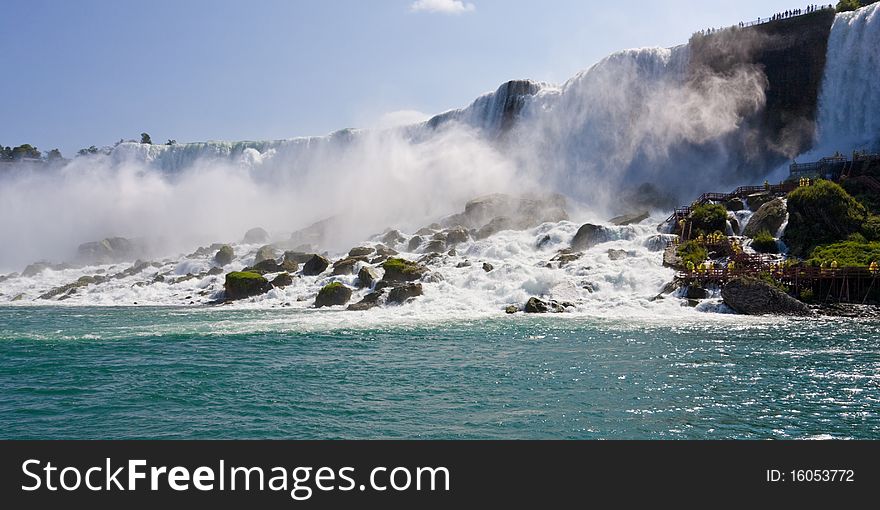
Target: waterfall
{"points": [[849, 105]]}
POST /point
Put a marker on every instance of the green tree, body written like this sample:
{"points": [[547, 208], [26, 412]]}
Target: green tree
{"points": [[145, 138], [54, 155], [25, 151], [709, 218], [5, 152], [171, 141], [86, 152]]}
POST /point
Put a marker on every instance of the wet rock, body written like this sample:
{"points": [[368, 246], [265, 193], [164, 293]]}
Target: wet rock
{"points": [[404, 293], [452, 253], [588, 236], [435, 246], [298, 257], [215, 271], [242, 284], [694, 292], [735, 204], [224, 255], [499, 224], [384, 251], [565, 257], [108, 251], [367, 276], [282, 280], [414, 243], [334, 294], [487, 267], [256, 235], [617, 254], [757, 200], [266, 266], [35, 269], [265, 253], [629, 219], [392, 238], [510, 310], [345, 266], [361, 251], [535, 305], [315, 266], [456, 235], [463, 264], [370, 301], [671, 258], [769, 217], [400, 270], [750, 296], [544, 241]]}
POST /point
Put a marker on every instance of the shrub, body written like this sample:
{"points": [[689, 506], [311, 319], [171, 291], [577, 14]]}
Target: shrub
{"points": [[709, 218], [765, 243], [692, 251], [821, 214], [847, 253], [871, 228]]}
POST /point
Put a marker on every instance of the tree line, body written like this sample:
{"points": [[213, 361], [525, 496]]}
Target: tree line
{"points": [[27, 151]]}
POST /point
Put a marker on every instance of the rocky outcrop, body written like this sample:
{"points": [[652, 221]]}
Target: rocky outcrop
{"points": [[671, 258], [367, 276], [256, 235], [225, 255], [588, 236], [346, 266], [487, 267], [617, 254], [750, 296], [414, 243], [361, 251], [334, 294], [404, 293], [491, 214], [70, 288], [769, 217], [315, 266], [735, 204], [243, 284], [265, 267]]}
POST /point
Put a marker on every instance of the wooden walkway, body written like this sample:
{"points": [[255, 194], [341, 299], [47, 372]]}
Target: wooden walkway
{"points": [[741, 192]]}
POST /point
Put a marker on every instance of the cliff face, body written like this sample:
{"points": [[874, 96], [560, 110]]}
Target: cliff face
{"points": [[791, 55]]}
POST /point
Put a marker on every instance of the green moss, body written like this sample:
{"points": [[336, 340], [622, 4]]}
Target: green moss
{"points": [[708, 218], [331, 286], [847, 254], [244, 276], [400, 265], [871, 228], [821, 214], [693, 251], [764, 242]]}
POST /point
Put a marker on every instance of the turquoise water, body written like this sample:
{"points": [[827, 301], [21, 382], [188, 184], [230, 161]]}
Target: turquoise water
{"points": [[220, 373]]}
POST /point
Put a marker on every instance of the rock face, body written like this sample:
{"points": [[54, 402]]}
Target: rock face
{"points": [[265, 253], [315, 266], [361, 251], [735, 204], [414, 243], [334, 294], [367, 276], [629, 219], [750, 296], [35, 269], [108, 251], [588, 236], [256, 235], [345, 266], [769, 217], [224, 255], [400, 270], [403, 293], [694, 292], [240, 285]]}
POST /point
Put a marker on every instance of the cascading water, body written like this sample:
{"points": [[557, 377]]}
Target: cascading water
{"points": [[849, 105]]}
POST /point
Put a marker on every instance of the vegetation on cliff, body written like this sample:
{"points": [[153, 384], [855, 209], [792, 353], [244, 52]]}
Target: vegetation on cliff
{"points": [[846, 254], [821, 214], [694, 252], [764, 242], [708, 218]]}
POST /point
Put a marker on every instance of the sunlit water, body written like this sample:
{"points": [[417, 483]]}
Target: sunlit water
{"points": [[78, 372]]}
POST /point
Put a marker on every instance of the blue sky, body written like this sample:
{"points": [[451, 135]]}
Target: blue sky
{"points": [[94, 71]]}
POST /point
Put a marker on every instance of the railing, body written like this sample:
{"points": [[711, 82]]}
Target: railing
{"points": [[741, 192]]}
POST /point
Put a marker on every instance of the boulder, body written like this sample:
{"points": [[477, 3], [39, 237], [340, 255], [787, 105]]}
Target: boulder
{"points": [[35, 269], [435, 246], [498, 224], [215, 271], [371, 300], [367, 276], [510, 310], [404, 293], [565, 257], [292, 260], [544, 241], [694, 292], [400, 270], [769, 217], [522, 212], [414, 243], [266, 266], [756, 200], [589, 235], [361, 251], [334, 294], [392, 238], [487, 267], [265, 253], [345, 266], [243, 284], [384, 251], [256, 235], [735, 204], [315, 266], [750, 296], [282, 280], [224, 255], [617, 254], [629, 219], [456, 235], [671, 257], [535, 305]]}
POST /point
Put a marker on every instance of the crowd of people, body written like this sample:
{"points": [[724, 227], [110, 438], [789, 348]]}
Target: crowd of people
{"points": [[776, 17]]}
